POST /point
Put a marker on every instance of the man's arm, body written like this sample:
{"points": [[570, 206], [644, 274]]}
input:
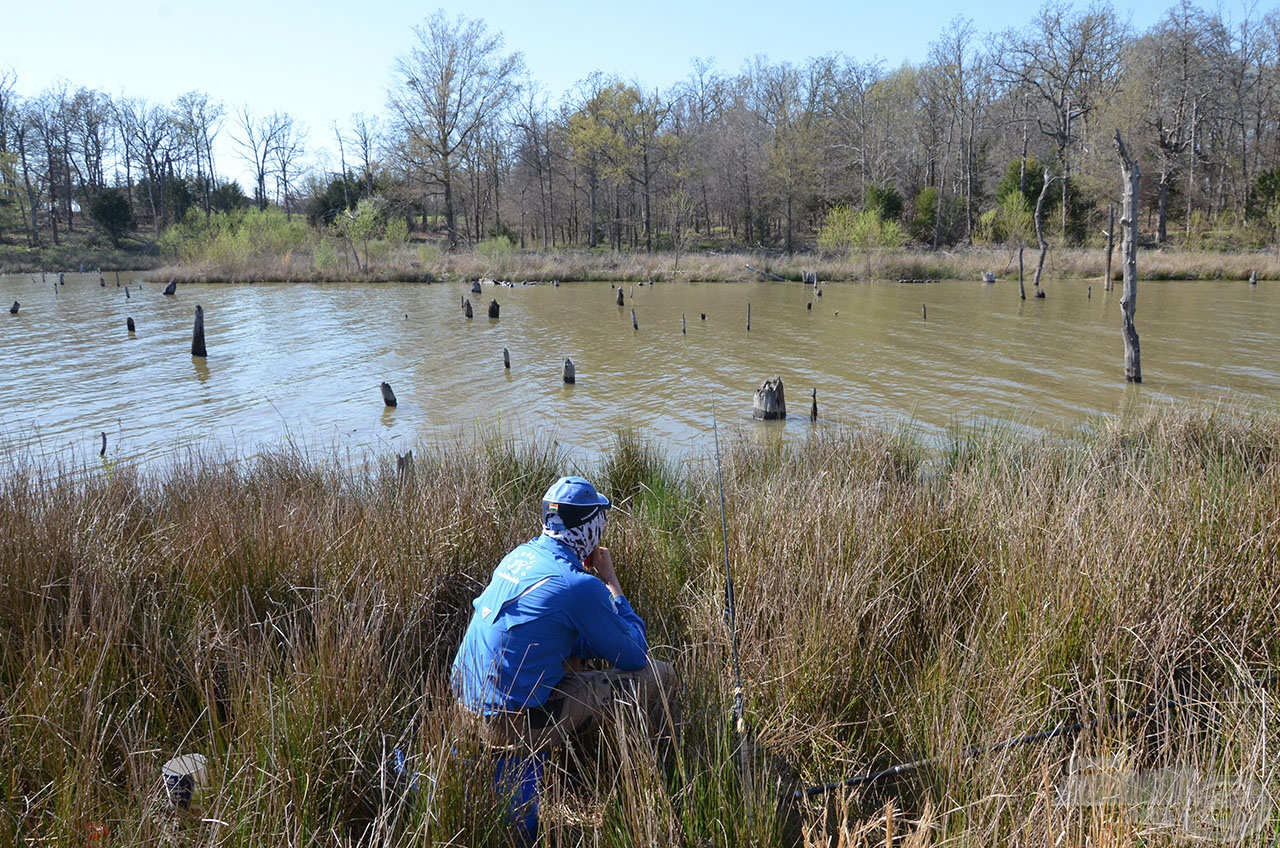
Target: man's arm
{"points": [[607, 626]]}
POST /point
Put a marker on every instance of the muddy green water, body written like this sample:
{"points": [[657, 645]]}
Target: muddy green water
{"points": [[304, 362]]}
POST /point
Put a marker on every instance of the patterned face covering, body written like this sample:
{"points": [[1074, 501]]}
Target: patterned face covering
{"points": [[584, 538]]}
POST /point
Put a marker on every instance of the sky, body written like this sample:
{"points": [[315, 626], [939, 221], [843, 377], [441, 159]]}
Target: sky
{"points": [[324, 60]]}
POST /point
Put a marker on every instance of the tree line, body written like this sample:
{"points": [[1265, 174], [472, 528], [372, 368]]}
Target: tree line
{"points": [[968, 144]]}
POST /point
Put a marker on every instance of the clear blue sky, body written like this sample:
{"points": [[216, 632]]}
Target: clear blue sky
{"points": [[322, 60]]}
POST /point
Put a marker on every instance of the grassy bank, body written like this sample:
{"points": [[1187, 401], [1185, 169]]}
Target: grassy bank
{"points": [[78, 249], [293, 619], [408, 262]]}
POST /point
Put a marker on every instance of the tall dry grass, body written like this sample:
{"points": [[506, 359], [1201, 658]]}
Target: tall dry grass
{"points": [[293, 619], [408, 263]]}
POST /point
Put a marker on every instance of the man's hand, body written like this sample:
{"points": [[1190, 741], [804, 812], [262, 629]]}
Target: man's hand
{"points": [[600, 563]]}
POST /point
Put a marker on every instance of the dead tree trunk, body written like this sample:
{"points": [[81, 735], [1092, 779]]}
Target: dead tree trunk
{"points": [[1044, 245], [1129, 255]]}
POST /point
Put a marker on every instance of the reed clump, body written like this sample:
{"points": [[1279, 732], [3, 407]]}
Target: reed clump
{"points": [[293, 617]]}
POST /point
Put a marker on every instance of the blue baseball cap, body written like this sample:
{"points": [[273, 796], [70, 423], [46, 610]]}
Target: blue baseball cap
{"points": [[574, 500]]}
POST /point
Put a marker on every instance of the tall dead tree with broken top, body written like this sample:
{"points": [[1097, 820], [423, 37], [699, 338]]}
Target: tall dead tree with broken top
{"points": [[1129, 258]]}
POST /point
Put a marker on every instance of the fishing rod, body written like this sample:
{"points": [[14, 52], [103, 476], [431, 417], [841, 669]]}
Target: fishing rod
{"points": [[809, 792], [730, 600]]}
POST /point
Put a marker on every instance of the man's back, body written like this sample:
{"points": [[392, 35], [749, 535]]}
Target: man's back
{"points": [[539, 609]]}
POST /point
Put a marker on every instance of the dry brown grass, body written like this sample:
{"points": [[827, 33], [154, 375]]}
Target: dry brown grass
{"points": [[293, 619], [407, 264]]}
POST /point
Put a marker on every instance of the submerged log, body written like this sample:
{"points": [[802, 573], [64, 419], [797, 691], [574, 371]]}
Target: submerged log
{"points": [[494, 308], [506, 359], [388, 396], [172, 288], [570, 373], [1129, 261], [769, 403], [197, 334], [129, 325]]}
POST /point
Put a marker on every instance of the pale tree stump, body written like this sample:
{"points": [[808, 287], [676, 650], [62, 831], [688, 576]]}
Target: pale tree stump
{"points": [[770, 403], [1129, 259]]}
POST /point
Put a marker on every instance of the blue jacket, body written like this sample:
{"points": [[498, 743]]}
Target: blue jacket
{"points": [[539, 609]]}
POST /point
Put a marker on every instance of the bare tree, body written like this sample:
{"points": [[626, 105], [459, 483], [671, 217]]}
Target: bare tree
{"points": [[454, 81], [259, 141]]}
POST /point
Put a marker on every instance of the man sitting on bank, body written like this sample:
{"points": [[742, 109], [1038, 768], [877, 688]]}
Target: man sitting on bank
{"points": [[552, 603]]}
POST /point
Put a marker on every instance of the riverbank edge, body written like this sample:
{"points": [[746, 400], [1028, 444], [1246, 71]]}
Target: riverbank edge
{"points": [[579, 266]]}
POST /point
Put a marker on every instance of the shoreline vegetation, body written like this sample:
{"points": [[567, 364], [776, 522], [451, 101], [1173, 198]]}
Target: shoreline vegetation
{"points": [[425, 263], [292, 618], [965, 264]]}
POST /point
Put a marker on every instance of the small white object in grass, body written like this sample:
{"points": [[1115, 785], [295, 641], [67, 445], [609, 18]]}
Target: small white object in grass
{"points": [[184, 778]]}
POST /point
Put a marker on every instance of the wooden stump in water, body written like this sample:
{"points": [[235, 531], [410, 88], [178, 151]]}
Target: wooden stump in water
{"points": [[13, 310], [506, 359], [1253, 278], [635, 325], [494, 308], [126, 292], [129, 325], [197, 334], [684, 328], [748, 316], [570, 373], [770, 403], [704, 315], [924, 312], [620, 300], [388, 396], [813, 410], [117, 279], [466, 308], [809, 306], [475, 287], [172, 288], [102, 451]]}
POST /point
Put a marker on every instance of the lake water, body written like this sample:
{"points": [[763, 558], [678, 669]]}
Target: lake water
{"points": [[304, 362]]}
